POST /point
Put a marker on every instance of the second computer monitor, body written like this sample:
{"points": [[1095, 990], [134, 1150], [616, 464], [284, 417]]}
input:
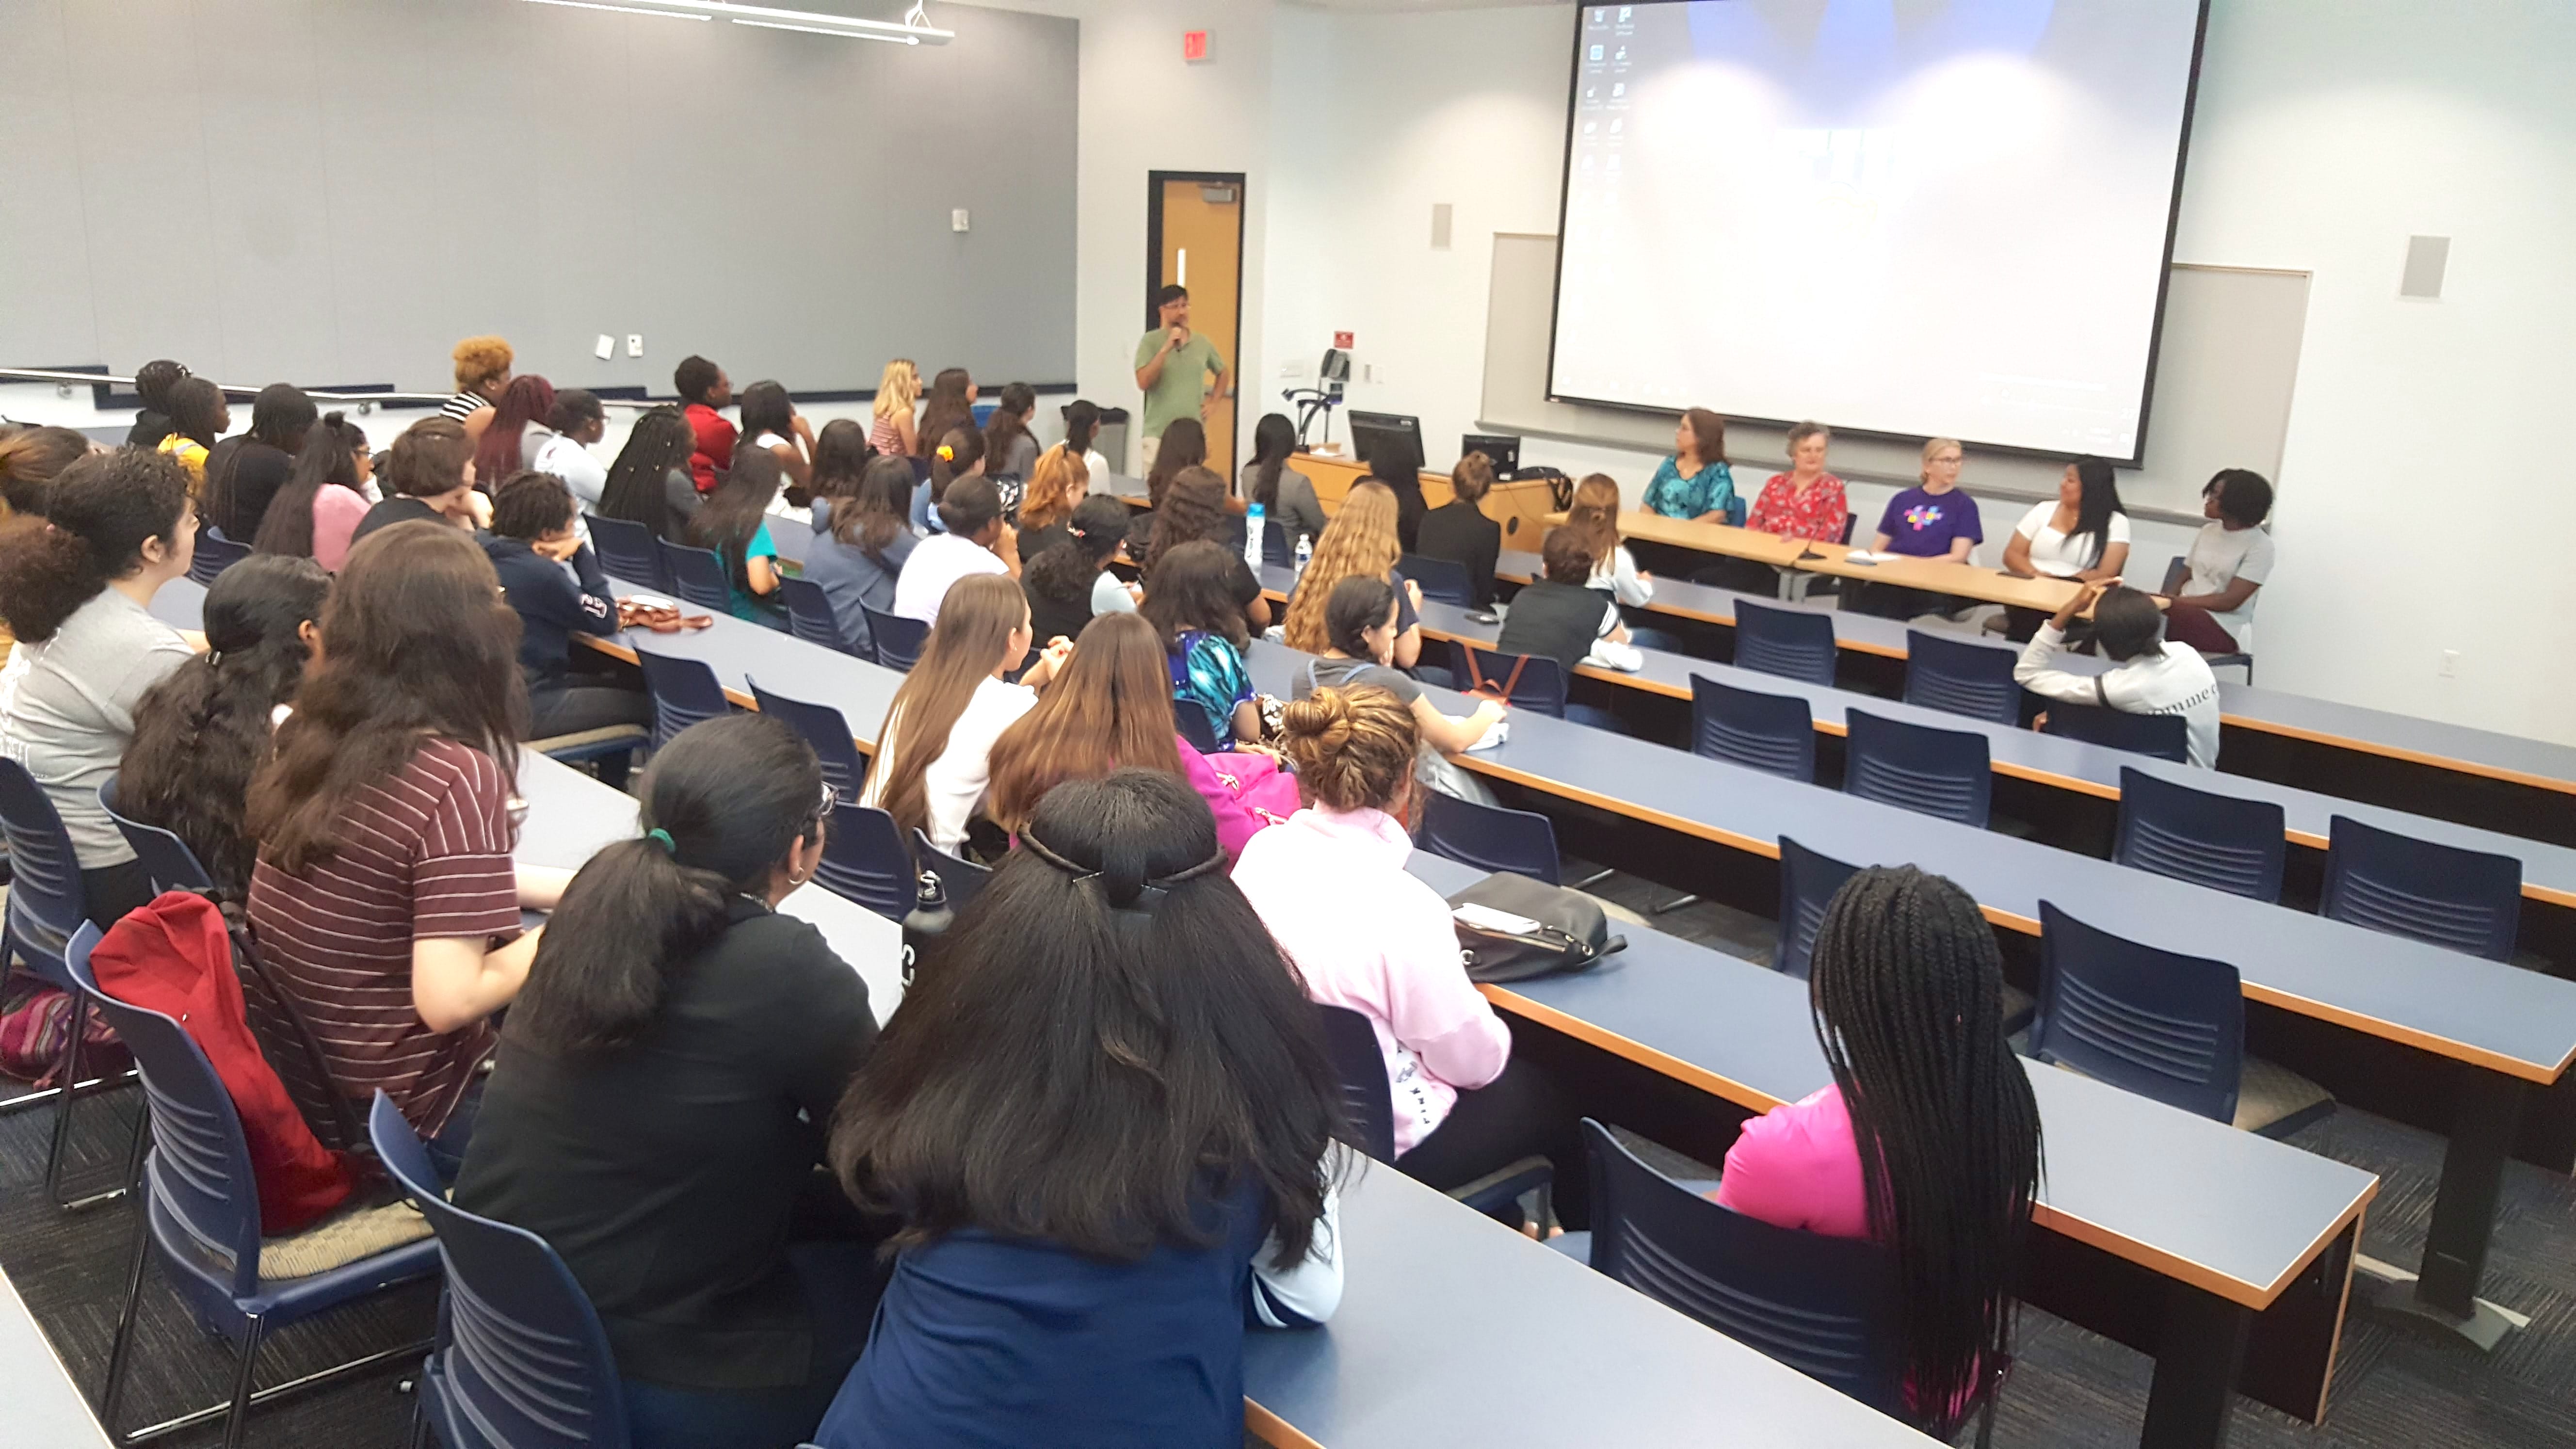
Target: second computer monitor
{"points": [[1500, 449]]}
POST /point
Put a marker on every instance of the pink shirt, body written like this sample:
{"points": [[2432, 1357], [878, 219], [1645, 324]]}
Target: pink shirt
{"points": [[336, 512], [1333, 890], [1798, 1166]]}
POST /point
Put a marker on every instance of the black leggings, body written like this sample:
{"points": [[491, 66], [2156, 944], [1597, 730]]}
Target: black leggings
{"points": [[113, 890], [1518, 1114]]}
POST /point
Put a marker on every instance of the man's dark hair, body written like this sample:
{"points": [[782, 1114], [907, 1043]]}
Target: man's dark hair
{"points": [[695, 377], [530, 505], [574, 409], [1172, 292], [1565, 557], [2127, 623], [2244, 495]]}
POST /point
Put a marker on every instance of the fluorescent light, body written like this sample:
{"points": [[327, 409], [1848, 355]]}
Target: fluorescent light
{"points": [[818, 30], [621, 9]]}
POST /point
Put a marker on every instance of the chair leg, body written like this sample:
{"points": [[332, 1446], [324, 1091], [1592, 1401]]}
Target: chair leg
{"points": [[1594, 879], [238, 1419], [1676, 903], [134, 1153], [124, 1342], [54, 1162]]}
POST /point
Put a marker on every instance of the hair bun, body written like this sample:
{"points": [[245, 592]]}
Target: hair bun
{"points": [[334, 419]]}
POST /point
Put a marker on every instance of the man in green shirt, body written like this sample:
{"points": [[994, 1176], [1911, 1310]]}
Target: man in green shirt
{"points": [[1173, 366]]}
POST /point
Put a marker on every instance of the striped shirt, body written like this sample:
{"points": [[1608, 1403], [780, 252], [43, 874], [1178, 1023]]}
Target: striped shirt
{"points": [[885, 437], [425, 854], [462, 406]]}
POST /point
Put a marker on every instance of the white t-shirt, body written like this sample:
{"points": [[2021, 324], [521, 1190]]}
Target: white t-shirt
{"points": [[954, 784], [938, 562], [1109, 596], [1099, 466], [2062, 556], [2220, 556], [585, 475], [1618, 576]]}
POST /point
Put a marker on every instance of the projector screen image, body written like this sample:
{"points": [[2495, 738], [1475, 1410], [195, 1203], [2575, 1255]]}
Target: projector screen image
{"points": [[1919, 217]]}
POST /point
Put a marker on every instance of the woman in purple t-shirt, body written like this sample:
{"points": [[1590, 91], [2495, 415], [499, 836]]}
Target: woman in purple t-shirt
{"points": [[1930, 520]]}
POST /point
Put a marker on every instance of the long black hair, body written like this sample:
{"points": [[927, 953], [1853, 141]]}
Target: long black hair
{"points": [[657, 446], [99, 512], [1107, 1039], [329, 460], [945, 408], [1274, 439], [197, 410], [201, 734], [1063, 575], [1010, 423], [1081, 425], [2097, 502], [1906, 985], [1192, 587], [766, 408], [1184, 446], [869, 517], [735, 795], [735, 511], [1357, 604]]}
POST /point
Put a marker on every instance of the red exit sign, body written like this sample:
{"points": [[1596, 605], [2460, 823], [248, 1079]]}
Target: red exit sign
{"points": [[1343, 340], [1194, 46]]}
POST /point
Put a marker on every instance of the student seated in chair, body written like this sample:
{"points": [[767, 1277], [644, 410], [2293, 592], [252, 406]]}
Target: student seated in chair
{"points": [[934, 754], [1460, 532], [2229, 560], [657, 1115], [1560, 617], [1104, 1121], [2156, 676], [1928, 1139], [1362, 618], [531, 545]]}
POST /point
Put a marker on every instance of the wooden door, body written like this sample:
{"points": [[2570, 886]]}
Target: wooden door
{"points": [[1197, 230]]}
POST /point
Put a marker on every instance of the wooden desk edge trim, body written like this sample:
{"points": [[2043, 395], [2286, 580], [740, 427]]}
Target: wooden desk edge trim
{"points": [[1270, 1429]]}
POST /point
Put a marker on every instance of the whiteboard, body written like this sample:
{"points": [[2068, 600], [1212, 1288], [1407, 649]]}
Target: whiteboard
{"points": [[2227, 364]]}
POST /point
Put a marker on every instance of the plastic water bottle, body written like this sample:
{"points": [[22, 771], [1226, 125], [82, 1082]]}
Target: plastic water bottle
{"points": [[1305, 553], [1252, 539]]}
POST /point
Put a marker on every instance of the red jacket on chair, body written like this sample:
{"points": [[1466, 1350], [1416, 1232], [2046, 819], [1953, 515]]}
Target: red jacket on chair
{"points": [[175, 957]]}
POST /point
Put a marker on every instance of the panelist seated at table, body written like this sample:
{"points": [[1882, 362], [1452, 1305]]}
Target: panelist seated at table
{"points": [[2152, 675], [2083, 534], [1805, 502], [1931, 520], [1694, 483], [1087, 1235], [1368, 936], [1928, 1141], [2229, 560]]}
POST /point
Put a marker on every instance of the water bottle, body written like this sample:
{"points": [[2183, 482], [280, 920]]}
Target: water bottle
{"points": [[1252, 540], [1305, 553]]}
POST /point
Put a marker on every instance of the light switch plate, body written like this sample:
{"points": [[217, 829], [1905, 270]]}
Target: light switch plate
{"points": [[606, 347], [957, 219]]}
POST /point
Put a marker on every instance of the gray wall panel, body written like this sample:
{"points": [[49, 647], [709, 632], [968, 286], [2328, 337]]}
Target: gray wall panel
{"points": [[42, 229]]}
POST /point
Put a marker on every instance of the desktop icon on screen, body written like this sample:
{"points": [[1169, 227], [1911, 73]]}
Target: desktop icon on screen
{"points": [[1596, 52]]}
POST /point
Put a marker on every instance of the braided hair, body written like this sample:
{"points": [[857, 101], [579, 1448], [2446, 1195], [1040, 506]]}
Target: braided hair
{"points": [[1906, 987]]}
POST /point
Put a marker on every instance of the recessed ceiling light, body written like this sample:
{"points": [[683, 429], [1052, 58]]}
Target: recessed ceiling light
{"points": [[914, 29], [622, 9], [818, 30]]}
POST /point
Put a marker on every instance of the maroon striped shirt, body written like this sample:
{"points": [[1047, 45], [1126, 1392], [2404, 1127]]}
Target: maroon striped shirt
{"points": [[423, 855]]}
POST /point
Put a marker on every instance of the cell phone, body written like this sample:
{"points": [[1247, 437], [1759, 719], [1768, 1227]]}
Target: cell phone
{"points": [[1483, 616]]}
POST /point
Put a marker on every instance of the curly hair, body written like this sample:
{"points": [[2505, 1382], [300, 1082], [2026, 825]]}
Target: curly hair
{"points": [[1360, 540], [479, 360], [1193, 509], [99, 514]]}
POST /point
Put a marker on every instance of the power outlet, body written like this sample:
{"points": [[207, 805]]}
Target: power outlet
{"points": [[635, 344], [1292, 371], [2449, 668]]}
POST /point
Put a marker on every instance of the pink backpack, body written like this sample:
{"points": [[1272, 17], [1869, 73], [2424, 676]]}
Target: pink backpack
{"points": [[1247, 793]]}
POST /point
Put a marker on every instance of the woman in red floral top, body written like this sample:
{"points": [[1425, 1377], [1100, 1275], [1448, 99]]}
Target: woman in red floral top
{"points": [[1805, 502]]}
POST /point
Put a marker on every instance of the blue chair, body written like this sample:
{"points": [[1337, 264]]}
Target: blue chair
{"points": [[809, 614], [1808, 882], [684, 693], [823, 728], [47, 908], [1489, 837], [1827, 1307], [2165, 736], [864, 861], [1368, 1112], [1190, 718], [1773, 733], [629, 551], [1527, 681], [1275, 548], [1736, 511], [1443, 580], [166, 858], [1792, 643], [215, 553], [201, 1216], [1963, 678], [2176, 574], [959, 878], [521, 1360], [697, 575], [1943, 773], [2219, 841], [2163, 1025], [2466, 900], [897, 639]]}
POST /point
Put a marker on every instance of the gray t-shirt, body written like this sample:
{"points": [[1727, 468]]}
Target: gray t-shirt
{"points": [[67, 710], [1321, 673], [1110, 596]]}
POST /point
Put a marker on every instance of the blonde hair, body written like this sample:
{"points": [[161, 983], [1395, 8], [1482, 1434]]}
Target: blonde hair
{"points": [[1360, 541], [1060, 470], [898, 389], [1594, 517], [1353, 746], [1932, 446], [478, 360]]}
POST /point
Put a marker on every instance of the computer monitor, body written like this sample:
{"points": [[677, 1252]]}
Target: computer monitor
{"points": [[1393, 437], [1500, 449]]}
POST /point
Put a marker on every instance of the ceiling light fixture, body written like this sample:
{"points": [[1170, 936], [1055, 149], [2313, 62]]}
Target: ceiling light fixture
{"points": [[818, 30], [621, 9], [914, 29]]}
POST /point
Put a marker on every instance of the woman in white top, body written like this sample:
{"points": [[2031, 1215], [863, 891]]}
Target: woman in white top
{"points": [[934, 754], [973, 540], [2084, 536], [1595, 519], [2153, 675], [577, 421], [770, 420], [2230, 558]]}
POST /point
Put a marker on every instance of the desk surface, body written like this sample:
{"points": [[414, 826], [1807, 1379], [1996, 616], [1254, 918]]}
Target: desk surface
{"points": [[45, 1407], [1392, 1370], [2227, 1211], [2517, 1022]]}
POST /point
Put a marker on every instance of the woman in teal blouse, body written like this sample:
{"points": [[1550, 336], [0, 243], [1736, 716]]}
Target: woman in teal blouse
{"points": [[1695, 482]]}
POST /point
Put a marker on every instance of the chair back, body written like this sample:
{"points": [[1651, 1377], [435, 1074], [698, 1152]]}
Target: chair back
{"points": [[46, 902], [684, 693], [1963, 678], [1368, 1103], [959, 878], [698, 576], [1443, 580], [1525, 680], [522, 1361], [896, 638], [1792, 643], [2177, 569], [215, 553], [1827, 1307], [2160, 1024], [1275, 548], [1736, 510], [629, 551], [864, 861], [809, 613], [1773, 733], [2466, 900], [198, 1175], [2219, 841], [2165, 736], [823, 728], [1190, 718], [1808, 882], [1489, 837], [1928, 771], [165, 857]]}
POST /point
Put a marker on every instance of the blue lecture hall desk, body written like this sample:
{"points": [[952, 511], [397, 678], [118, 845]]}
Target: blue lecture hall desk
{"points": [[44, 1406], [2246, 1233]]}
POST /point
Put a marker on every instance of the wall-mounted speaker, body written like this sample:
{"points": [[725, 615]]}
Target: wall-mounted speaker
{"points": [[1440, 214]]}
